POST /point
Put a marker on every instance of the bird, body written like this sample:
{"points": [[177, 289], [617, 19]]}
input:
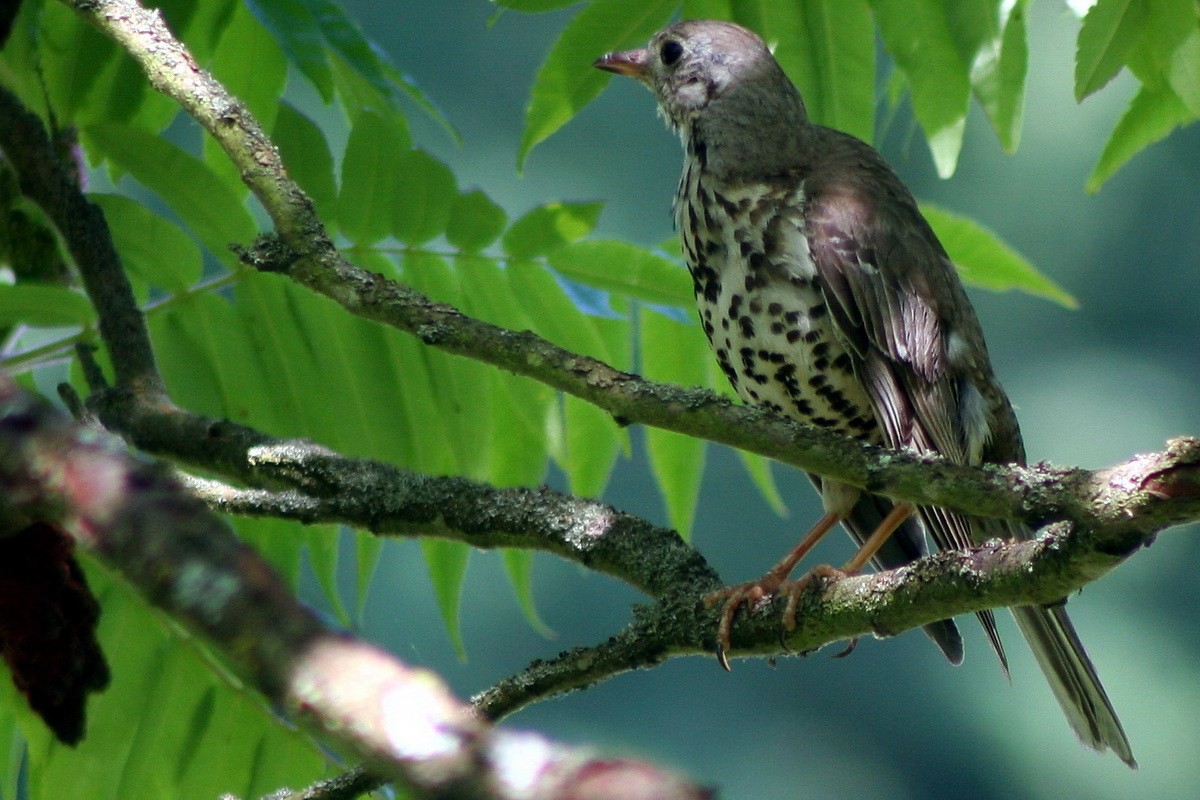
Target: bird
{"points": [[827, 297]]}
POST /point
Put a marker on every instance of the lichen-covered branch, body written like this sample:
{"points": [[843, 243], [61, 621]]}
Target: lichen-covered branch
{"points": [[302, 249], [136, 519]]}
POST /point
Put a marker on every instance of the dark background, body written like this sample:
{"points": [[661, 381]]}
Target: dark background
{"points": [[1092, 386]]}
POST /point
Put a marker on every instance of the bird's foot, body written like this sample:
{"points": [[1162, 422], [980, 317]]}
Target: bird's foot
{"points": [[755, 594], [795, 589], [751, 595]]}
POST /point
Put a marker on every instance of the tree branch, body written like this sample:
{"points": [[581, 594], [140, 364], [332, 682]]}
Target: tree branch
{"points": [[138, 521], [44, 179], [304, 251]]}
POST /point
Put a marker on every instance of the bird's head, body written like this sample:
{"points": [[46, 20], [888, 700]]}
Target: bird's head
{"points": [[715, 81]]}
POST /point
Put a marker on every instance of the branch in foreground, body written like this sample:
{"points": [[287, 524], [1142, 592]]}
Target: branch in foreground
{"points": [[304, 251], [138, 521]]}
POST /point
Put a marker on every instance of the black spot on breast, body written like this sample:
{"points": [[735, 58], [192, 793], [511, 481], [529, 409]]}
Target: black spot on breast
{"points": [[777, 327], [812, 336], [817, 311], [747, 326], [793, 336], [757, 260], [775, 309], [816, 381], [843, 363], [755, 306]]}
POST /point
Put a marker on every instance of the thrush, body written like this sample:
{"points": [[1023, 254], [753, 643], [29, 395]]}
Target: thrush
{"points": [[827, 297]]}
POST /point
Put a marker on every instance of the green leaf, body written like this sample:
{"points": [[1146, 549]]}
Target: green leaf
{"points": [[370, 177], [519, 565], [1150, 117], [626, 269], [447, 565], [212, 209], [294, 28], [827, 48], [169, 725], [984, 260], [566, 81], [475, 222], [547, 228], [1109, 33], [1168, 55], [456, 382], [75, 59], [990, 37], [250, 64], [917, 34], [677, 354], [426, 191], [306, 155], [43, 306], [151, 247]]}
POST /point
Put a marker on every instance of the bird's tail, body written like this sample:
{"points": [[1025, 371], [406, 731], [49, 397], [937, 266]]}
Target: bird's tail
{"points": [[1072, 678]]}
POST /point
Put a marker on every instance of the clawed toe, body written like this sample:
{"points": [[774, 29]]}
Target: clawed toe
{"points": [[756, 592]]}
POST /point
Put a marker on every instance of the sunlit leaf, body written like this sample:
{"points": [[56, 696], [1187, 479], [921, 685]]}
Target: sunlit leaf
{"points": [[547, 228], [1150, 117], [1109, 33], [917, 35], [983, 260], [627, 269]]}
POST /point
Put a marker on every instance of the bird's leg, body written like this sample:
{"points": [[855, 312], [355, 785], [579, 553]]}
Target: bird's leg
{"points": [[894, 519], [767, 585]]}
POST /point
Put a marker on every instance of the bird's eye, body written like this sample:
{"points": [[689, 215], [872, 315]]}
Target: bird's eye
{"points": [[670, 52]]}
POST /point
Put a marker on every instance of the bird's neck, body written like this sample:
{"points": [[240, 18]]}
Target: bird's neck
{"points": [[739, 138]]}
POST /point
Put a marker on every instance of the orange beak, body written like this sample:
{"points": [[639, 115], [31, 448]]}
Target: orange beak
{"points": [[630, 63]]}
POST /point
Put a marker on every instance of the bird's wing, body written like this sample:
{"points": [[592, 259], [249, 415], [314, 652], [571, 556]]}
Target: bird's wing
{"points": [[890, 289]]}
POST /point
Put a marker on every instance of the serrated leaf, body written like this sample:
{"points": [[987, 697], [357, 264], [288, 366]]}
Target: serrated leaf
{"points": [[295, 29], [306, 155], [151, 247], [475, 221], [677, 354], [370, 177], [207, 204], [44, 306], [626, 269], [984, 260], [566, 81], [426, 191], [447, 565], [1150, 117], [519, 566], [1109, 33], [917, 35], [547, 228]]}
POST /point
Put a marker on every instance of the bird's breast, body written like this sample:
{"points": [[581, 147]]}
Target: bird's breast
{"points": [[761, 303]]}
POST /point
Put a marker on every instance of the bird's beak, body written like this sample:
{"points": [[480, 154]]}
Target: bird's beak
{"points": [[630, 63]]}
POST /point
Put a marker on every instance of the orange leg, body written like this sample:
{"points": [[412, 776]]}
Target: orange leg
{"points": [[775, 580], [894, 519]]}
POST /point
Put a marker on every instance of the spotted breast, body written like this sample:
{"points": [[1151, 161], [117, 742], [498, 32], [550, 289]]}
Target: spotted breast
{"points": [[762, 305]]}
